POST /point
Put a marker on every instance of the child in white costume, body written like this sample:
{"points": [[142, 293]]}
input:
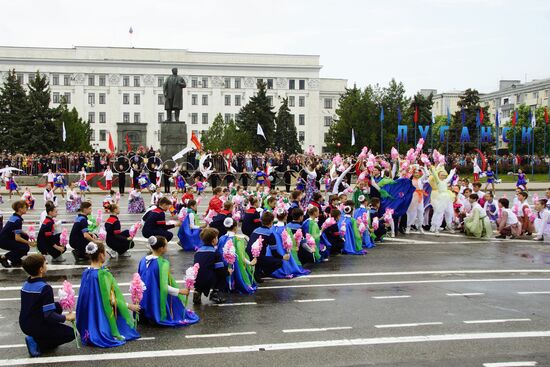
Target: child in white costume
{"points": [[415, 212], [441, 198]]}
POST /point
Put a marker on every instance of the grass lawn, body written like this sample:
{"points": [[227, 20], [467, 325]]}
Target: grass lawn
{"points": [[537, 177]]}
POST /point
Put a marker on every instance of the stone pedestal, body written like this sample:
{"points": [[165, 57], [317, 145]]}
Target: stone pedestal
{"points": [[137, 134], [173, 138]]}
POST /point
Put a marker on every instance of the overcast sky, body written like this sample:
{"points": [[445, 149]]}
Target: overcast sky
{"points": [[439, 44]]}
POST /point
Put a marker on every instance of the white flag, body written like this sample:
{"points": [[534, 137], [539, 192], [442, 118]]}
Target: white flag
{"points": [[64, 132], [260, 131], [533, 121], [182, 153], [352, 137], [433, 118]]}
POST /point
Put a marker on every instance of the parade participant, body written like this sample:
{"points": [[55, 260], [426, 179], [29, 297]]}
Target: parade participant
{"points": [[318, 201], [108, 174], [353, 243], [119, 241], [72, 204], [260, 179], [251, 218], [13, 238], [11, 185], [163, 302], [80, 235], [332, 237], [59, 183], [477, 170], [212, 274], [541, 220], [524, 214], [29, 199], [295, 198], [415, 212], [156, 196], [310, 226], [49, 195], [48, 242], [476, 189], [218, 219], [50, 177], [245, 177], [189, 231], [144, 182], [287, 178], [103, 318], [108, 200], [490, 207], [522, 180], [292, 267], [155, 221], [136, 204], [83, 183], [40, 317], [215, 203], [121, 179], [311, 187], [507, 221], [490, 179], [363, 212], [441, 199], [374, 214], [477, 222]]}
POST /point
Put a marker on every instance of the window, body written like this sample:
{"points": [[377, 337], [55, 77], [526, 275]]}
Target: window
{"points": [[227, 99], [55, 97], [293, 117], [160, 81], [102, 117], [137, 98], [328, 120], [204, 82], [160, 116], [91, 80], [66, 80], [194, 82], [301, 136], [328, 103], [102, 135], [32, 77], [102, 80], [55, 79], [126, 98], [91, 99], [205, 118], [195, 118], [505, 101], [292, 84], [20, 78], [301, 119], [92, 135], [237, 100], [205, 99], [301, 101], [519, 98], [269, 83], [535, 94], [136, 81], [137, 117], [194, 99], [67, 97], [291, 101], [126, 117], [270, 99], [301, 84], [237, 83], [160, 98], [227, 118], [125, 81], [227, 82], [91, 117], [258, 81], [102, 98]]}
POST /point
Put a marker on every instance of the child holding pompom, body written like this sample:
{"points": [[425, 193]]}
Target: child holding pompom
{"points": [[80, 234], [292, 267], [190, 229], [155, 221], [353, 243], [332, 237], [119, 241], [310, 226], [103, 318], [162, 302], [48, 242], [40, 317]]}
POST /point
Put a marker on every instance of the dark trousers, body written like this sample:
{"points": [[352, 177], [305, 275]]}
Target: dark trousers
{"points": [[121, 182], [166, 180], [121, 245], [16, 250], [57, 335], [268, 264], [158, 232]]}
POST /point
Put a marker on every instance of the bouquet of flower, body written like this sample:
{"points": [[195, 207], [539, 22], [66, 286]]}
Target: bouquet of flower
{"points": [[229, 254], [287, 241], [64, 238], [327, 223], [388, 215], [99, 218], [375, 224], [236, 215], [298, 236], [182, 214], [363, 153], [343, 230], [310, 241], [32, 233], [209, 216], [137, 287], [411, 156], [190, 279], [256, 247], [424, 158], [394, 154], [135, 228], [67, 302], [419, 146], [102, 234], [361, 226]]}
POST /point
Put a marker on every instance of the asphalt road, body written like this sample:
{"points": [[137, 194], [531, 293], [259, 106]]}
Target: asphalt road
{"points": [[418, 300]]}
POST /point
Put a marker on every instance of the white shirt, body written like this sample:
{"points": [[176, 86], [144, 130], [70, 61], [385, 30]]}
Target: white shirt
{"points": [[108, 174], [51, 176], [512, 218]]}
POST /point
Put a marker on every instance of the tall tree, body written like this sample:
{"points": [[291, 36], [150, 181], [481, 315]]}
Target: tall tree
{"points": [[286, 133], [78, 130], [212, 138], [13, 114], [257, 111], [524, 121]]}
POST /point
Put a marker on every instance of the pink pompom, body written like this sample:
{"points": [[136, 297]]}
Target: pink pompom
{"points": [[363, 153], [99, 216], [385, 164], [343, 229], [64, 238], [388, 215], [256, 248], [394, 154], [419, 145], [236, 216], [102, 234], [137, 287], [337, 159], [229, 253], [362, 228], [134, 229], [411, 155], [424, 158], [310, 241], [287, 241], [67, 297], [182, 214], [191, 276], [298, 236], [329, 222], [375, 224], [32, 233]]}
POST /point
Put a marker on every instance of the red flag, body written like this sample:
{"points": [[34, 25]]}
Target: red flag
{"points": [[196, 142], [415, 118], [513, 118], [128, 144], [481, 115], [546, 115], [111, 144]]}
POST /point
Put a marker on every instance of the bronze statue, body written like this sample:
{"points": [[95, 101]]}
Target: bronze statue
{"points": [[173, 94]]}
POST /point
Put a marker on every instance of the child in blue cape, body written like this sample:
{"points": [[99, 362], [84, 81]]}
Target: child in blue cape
{"points": [[163, 301], [353, 243], [190, 229], [310, 226], [292, 267], [360, 213]]}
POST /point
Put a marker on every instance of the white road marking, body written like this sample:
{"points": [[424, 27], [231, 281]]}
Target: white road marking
{"points": [[496, 321], [407, 325], [219, 335], [511, 364], [464, 294], [527, 293], [112, 356], [391, 297], [314, 300], [313, 330], [24, 346], [234, 304]]}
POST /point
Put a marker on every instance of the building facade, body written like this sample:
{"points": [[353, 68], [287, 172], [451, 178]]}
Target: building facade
{"points": [[443, 101], [119, 90]]}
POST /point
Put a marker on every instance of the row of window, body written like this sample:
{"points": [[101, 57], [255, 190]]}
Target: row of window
{"points": [[102, 135], [301, 134], [102, 117]]}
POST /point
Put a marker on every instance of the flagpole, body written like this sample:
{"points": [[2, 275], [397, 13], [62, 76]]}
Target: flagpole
{"points": [[514, 149], [381, 138]]}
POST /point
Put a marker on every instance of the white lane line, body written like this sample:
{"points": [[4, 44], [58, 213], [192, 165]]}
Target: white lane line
{"points": [[527, 293], [464, 294], [219, 335], [313, 330], [24, 346], [234, 304], [314, 300], [407, 325], [391, 297], [511, 364], [495, 321], [10, 299], [112, 356], [407, 240]]}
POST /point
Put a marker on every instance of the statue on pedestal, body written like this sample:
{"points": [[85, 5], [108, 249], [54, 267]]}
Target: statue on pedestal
{"points": [[173, 94]]}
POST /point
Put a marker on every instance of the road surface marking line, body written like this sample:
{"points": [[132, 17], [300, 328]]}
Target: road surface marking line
{"points": [[511, 364], [219, 335], [234, 304], [464, 294], [315, 300], [391, 297], [24, 346], [313, 330], [407, 325], [494, 321], [527, 293], [112, 356]]}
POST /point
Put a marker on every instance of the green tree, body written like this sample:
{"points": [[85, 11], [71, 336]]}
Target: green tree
{"points": [[41, 118], [524, 121], [212, 138], [257, 111], [13, 114], [78, 131], [286, 133]]}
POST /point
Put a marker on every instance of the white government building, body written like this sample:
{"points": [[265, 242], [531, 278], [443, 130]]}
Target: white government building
{"points": [[119, 90]]}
